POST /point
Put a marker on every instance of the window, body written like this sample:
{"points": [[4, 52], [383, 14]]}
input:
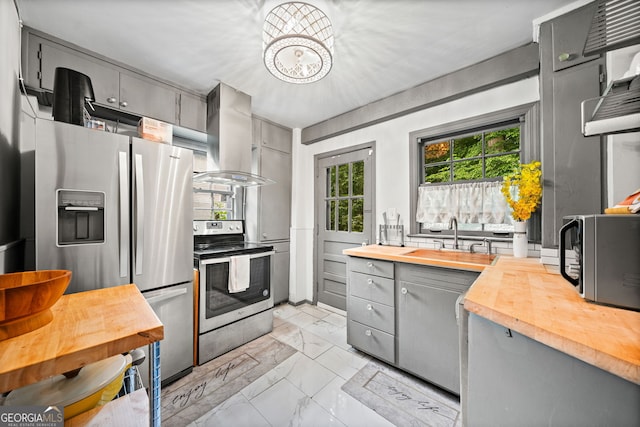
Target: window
{"points": [[345, 197], [460, 161], [484, 154], [210, 201]]}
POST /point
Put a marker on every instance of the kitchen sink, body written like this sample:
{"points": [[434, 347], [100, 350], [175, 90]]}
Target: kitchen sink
{"points": [[457, 255]]}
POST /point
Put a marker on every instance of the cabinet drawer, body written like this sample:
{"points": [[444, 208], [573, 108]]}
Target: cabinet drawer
{"points": [[371, 266], [371, 314], [444, 278], [372, 341], [374, 288]]}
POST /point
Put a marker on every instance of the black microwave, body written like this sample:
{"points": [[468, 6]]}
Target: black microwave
{"points": [[605, 266]]}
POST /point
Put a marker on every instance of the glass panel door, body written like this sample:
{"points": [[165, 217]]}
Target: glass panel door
{"points": [[345, 197]]}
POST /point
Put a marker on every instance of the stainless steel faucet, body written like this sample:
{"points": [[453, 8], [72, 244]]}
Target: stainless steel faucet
{"points": [[488, 243], [485, 242], [453, 224]]}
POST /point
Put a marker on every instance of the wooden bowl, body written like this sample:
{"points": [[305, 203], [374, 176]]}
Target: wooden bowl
{"points": [[26, 299]]}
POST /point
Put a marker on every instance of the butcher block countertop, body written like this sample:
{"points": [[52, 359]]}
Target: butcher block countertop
{"points": [[527, 297], [86, 327], [442, 258]]}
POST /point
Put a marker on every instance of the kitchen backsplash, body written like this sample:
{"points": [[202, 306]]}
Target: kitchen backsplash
{"points": [[497, 247]]}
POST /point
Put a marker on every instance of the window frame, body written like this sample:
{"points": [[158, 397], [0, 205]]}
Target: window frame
{"points": [[451, 138], [528, 117]]}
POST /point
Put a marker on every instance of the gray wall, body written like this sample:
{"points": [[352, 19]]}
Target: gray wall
{"points": [[9, 135]]}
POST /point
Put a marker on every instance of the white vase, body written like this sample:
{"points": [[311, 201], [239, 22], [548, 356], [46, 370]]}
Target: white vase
{"points": [[520, 243]]}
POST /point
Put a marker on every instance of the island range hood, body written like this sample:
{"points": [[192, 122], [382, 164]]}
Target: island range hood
{"points": [[229, 139]]}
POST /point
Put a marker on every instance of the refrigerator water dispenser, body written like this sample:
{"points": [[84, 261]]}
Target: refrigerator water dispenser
{"points": [[80, 217]]}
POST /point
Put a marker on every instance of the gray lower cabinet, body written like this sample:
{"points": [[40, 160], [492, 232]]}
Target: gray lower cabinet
{"points": [[405, 315], [516, 381], [371, 307], [427, 328], [280, 272]]}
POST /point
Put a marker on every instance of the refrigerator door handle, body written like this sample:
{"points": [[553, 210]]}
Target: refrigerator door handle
{"points": [[166, 295], [124, 214], [139, 214]]}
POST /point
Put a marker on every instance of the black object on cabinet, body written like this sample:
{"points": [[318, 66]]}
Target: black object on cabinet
{"points": [[71, 90]]}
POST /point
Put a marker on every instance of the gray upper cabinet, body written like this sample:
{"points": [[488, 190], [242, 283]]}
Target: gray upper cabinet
{"points": [[104, 79], [114, 85], [572, 164], [569, 34], [193, 112], [139, 95], [276, 137], [274, 200]]}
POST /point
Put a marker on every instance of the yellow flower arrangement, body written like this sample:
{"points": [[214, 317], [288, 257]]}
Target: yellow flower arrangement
{"points": [[526, 179]]}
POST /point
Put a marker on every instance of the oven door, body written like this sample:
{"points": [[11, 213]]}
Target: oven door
{"points": [[218, 306]]}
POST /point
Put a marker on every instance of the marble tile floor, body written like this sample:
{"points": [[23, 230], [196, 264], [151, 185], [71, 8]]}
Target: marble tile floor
{"points": [[290, 377]]}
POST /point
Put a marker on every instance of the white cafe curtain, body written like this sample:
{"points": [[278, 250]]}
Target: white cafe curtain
{"points": [[472, 202]]}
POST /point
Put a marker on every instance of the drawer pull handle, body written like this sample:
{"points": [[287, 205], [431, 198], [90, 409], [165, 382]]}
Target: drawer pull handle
{"points": [[369, 307], [370, 264], [368, 332], [404, 291], [370, 281]]}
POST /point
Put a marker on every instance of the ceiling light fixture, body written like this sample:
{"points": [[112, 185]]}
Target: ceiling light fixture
{"points": [[298, 43]]}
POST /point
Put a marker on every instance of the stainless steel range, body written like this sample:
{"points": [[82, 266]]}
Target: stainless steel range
{"points": [[235, 303]]}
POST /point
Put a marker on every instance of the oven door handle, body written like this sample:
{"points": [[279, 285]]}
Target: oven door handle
{"points": [[563, 247]]}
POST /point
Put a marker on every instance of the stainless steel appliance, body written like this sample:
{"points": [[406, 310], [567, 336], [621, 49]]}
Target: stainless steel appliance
{"points": [[606, 269], [229, 317], [116, 209]]}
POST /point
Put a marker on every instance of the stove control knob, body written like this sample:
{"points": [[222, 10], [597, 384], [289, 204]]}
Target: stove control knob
{"points": [[237, 227], [195, 227]]}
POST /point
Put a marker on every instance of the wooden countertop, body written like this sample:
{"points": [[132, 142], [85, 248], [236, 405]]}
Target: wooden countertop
{"points": [[86, 327], [525, 296], [443, 258]]}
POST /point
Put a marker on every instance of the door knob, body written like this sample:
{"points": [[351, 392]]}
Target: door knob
{"points": [[369, 307], [370, 264], [370, 281], [124, 104], [403, 291], [368, 332], [111, 100]]}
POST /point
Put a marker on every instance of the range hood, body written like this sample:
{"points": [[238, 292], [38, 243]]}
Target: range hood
{"points": [[615, 24], [229, 139], [617, 111]]}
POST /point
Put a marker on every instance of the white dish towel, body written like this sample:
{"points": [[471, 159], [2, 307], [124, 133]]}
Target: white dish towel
{"points": [[239, 273]]}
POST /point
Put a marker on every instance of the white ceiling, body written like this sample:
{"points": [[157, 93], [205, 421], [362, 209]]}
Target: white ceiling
{"points": [[381, 47]]}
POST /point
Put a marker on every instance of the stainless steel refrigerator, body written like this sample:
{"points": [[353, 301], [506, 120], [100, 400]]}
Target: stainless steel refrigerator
{"points": [[116, 209]]}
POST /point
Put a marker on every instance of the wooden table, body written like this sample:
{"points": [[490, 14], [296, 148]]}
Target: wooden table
{"points": [[86, 327]]}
